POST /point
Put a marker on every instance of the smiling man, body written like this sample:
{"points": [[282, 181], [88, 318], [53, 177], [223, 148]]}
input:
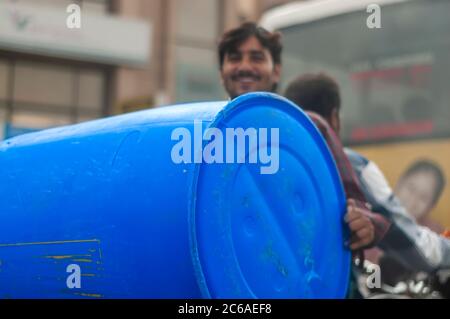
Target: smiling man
{"points": [[250, 60]]}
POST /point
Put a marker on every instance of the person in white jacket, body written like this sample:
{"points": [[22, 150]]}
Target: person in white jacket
{"points": [[416, 247]]}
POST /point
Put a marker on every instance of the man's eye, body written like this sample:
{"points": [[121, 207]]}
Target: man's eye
{"points": [[258, 57], [234, 57]]}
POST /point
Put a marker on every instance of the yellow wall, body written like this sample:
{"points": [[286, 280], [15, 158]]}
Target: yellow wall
{"points": [[393, 159]]}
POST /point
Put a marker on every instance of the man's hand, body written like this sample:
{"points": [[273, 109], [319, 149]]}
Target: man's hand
{"points": [[361, 226]]}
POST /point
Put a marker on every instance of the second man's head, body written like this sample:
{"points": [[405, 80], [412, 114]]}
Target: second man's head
{"points": [[319, 93]]}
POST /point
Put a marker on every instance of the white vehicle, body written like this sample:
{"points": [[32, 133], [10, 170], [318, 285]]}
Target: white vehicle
{"points": [[394, 77]]}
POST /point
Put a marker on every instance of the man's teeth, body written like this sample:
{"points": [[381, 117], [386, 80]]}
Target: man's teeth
{"points": [[246, 80]]}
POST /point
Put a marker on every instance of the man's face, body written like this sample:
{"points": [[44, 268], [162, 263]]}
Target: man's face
{"points": [[250, 68]]}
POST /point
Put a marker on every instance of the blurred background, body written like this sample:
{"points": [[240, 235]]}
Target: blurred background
{"points": [[138, 54], [127, 55]]}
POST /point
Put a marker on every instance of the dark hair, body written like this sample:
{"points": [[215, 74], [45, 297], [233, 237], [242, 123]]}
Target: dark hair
{"points": [[318, 93], [428, 166], [232, 39]]}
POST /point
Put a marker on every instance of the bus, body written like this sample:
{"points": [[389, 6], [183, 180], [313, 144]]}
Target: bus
{"points": [[394, 76]]}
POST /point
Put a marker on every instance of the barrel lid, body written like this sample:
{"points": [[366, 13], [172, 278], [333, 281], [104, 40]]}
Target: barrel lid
{"points": [[274, 228]]}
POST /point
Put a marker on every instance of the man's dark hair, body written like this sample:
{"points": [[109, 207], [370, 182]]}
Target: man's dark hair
{"points": [[425, 165], [232, 39], [318, 93]]}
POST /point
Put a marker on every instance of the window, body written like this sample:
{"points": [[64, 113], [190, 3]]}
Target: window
{"points": [[394, 85], [3, 96], [46, 94], [2, 121], [41, 83], [197, 78], [91, 88], [3, 80], [197, 75], [38, 120]]}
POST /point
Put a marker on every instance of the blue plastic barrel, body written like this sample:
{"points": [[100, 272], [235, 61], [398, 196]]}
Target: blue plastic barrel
{"points": [[104, 209]]}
